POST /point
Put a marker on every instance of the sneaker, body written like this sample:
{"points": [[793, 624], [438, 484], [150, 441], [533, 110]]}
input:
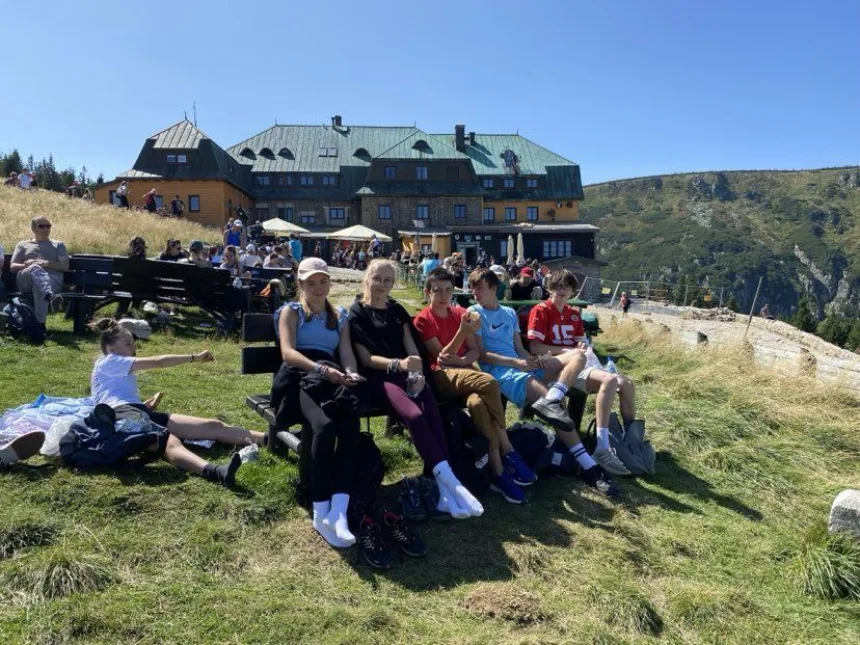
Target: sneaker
{"points": [[411, 505], [518, 469], [397, 531], [22, 447], [597, 478], [430, 496], [506, 485], [553, 412], [55, 301], [373, 548], [610, 462]]}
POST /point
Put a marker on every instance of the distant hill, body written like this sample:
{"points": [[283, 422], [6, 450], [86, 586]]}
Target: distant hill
{"points": [[797, 228]]}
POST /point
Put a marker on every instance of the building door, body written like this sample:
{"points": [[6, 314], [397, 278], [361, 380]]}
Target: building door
{"points": [[469, 251]]}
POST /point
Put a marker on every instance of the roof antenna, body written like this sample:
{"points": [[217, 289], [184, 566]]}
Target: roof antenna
{"points": [[194, 106], [186, 114]]}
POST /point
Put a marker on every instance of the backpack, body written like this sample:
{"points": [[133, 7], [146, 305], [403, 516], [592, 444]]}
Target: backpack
{"points": [[21, 322], [469, 453], [542, 450]]}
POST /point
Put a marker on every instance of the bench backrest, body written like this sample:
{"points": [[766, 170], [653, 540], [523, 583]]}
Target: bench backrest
{"points": [[260, 359], [168, 281], [86, 274]]}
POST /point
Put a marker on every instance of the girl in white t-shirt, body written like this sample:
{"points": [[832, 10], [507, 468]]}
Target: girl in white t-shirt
{"points": [[114, 383]]}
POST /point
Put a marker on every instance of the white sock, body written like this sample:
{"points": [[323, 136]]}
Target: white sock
{"points": [[445, 477], [556, 391], [447, 504], [582, 457], [336, 519], [603, 439], [321, 510]]}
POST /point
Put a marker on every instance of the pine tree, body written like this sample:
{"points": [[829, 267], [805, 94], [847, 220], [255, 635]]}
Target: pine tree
{"points": [[31, 163], [834, 329], [733, 303], [853, 340], [804, 319], [100, 179], [12, 163]]}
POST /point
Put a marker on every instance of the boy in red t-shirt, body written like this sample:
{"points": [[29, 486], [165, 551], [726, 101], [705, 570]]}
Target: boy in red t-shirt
{"points": [[557, 328], [448, 333]]}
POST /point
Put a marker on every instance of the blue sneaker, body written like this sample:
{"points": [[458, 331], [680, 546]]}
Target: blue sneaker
{"points": [[518, 469], [505, 485], [411, 504]]}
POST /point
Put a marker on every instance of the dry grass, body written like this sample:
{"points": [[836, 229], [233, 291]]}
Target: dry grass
{"points": [[88, 227]]}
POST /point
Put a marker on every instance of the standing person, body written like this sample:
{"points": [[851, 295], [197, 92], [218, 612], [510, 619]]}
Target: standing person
{"points": [[765, 311], [382, 334], [296, 247], [149, 201], [362, 259], [233, 236], [521, 375], [375, 246], [624, 302], [24, 179], [114, 383], [556, 328], [256, 231], [39, 264], [318, 249], [449, 337], [177, 206], [121, 195], [429, 263]]}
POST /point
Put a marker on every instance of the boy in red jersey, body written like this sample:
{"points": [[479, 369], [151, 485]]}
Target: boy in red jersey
{"points": [[557, 328]]}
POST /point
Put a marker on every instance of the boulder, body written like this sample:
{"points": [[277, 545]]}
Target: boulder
{"points": [[845, 513]]}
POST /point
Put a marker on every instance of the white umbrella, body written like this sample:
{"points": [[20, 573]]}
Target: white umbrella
{"points": [[510, 249], [358, 233], [521, 256], [433, 243], [277, 225]]}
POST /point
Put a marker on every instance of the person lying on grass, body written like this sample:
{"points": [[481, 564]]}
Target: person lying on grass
{"points": [[114, 383], [556, 328], [449, 336], [528, 380]]}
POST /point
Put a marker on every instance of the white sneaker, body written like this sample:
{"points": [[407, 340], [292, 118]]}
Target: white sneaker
{"points": [[22, 447], [610, 462]]}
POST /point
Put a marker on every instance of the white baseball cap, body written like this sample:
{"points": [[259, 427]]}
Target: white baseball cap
{"points": [[499, 270], [310, 266], [237, 222]]}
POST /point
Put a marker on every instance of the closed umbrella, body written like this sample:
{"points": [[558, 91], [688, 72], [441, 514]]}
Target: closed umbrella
{"points": [[433, 243], [510, 249], [521, 256]]}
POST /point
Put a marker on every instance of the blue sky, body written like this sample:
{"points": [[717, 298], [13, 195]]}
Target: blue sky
{"points": [[622, 88]]}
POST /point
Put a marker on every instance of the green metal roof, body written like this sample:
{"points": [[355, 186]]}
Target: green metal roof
{"points": [[421, 146], [487, 154], [180, 136]]}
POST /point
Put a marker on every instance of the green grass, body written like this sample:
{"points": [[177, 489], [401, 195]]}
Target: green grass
{"points": [[722, 545]]}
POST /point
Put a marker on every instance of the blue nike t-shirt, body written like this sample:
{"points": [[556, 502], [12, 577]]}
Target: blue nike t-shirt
{"points": [[497, 329]]}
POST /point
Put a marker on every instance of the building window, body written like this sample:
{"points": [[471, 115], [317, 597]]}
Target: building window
{"points": [[488, 183], [531, 183], [263, 180], [329, 180], [194, 203], [336, 213], [503, 249], [383, 211], [307, 180], [171, 158], [307, 218], [489, 214], [285, 213], [510, 213], [283, 180], [459, 211], [421, 172], [181, 158], [556, 249], [391, 172], [262, 214], [422, 211], [510, 183], [532, 213]]}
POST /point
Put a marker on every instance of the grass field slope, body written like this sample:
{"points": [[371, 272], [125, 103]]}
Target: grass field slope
{"points": [[725, 544], [88, 227]]}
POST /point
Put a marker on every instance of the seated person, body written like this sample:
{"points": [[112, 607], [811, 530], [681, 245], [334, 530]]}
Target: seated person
{"points": [[198, 255], [136, 248], [114, 383], [388, 357], [525, 287], [39, 264], [556, 328], [275, 261], [522, 376], [449, 337], [251, 258], [172, 251], [231, 263]]}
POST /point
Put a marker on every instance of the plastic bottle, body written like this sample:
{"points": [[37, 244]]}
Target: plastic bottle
{"points": [[249, 453], [414, 384], [237, 282], [610, 366]]}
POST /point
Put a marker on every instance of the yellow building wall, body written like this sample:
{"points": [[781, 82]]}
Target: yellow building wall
{"points": [[563, 213], [215, 197], [443, 243]]}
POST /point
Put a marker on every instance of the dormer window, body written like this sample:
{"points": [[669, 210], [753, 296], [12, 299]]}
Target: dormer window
{"points": [[247, 153], [177, 158], [421, 146], [286, 153], [362, 154], [267, 153]]}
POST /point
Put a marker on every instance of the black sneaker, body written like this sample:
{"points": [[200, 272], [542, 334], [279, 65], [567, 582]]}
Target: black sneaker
{"points": [[553, 412], [411, 503], [373, 548], [430, 496], [597, 478], [398, 531]]}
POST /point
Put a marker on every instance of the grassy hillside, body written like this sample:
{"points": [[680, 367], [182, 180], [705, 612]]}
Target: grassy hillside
{"points": [[87, 227], [801, 230], [720, 546]]}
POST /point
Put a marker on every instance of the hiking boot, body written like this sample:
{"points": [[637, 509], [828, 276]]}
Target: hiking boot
{"points": [[411, 504], [597, 478], [430, 496], [610, 462], [397, 531], [21, 448], [506, 485], [373, 549], [55, 302], [518, 469], [553, 412]]}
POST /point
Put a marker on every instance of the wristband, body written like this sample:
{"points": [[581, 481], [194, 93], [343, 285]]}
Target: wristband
{"points": [[318, 368], [394, 366]]}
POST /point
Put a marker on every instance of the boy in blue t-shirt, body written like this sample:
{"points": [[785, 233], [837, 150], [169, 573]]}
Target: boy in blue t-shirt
{"points": [[521, 375]]}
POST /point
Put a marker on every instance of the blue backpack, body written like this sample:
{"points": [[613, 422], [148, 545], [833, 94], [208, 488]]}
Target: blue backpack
{"points": [[21, 322]]}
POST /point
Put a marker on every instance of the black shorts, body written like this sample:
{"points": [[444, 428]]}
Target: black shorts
{"points": [[158, 418]]}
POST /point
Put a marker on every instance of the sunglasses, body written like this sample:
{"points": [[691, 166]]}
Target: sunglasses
{"points": [[43, 226]]}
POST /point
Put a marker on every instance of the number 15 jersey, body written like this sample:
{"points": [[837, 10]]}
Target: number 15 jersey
{"points": [[553, 327]]}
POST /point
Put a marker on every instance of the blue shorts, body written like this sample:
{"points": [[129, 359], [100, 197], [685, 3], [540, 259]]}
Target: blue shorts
{"points": [[512, 382]]}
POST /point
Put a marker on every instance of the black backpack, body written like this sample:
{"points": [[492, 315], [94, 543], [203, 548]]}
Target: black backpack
{"points": [[21, 322], [543, 451], [469, 452]]}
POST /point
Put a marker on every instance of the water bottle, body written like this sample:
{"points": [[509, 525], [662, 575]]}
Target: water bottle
{"points": [[237, 282], [414, 384], [610, 366], [249, 453]]}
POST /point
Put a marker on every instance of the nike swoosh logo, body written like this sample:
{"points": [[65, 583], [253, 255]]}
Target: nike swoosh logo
{"points": [[495, 327]]}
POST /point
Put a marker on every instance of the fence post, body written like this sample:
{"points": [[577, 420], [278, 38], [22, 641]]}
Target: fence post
{"points": [[752, 309], [614, 293], [647, 293], [582, 288], [686, 291], [721, 296]]}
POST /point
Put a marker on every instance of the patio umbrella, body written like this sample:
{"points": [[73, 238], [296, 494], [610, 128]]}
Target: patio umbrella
{"points": [[277, 225], [433, 243], [510, 249], [521, 256], [358, 233]]}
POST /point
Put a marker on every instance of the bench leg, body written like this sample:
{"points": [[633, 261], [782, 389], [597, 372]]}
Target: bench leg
{"points": [[276, 446], [82, 315]]}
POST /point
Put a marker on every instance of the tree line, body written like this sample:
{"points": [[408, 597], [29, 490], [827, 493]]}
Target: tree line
{"points": [[47, 174]]}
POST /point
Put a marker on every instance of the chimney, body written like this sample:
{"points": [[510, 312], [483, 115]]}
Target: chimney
{"points": [[337, 121], [471, 138], [460, 138]]}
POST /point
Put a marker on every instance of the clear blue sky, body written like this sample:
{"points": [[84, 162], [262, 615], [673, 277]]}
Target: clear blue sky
{"points": [[623, 88]]}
